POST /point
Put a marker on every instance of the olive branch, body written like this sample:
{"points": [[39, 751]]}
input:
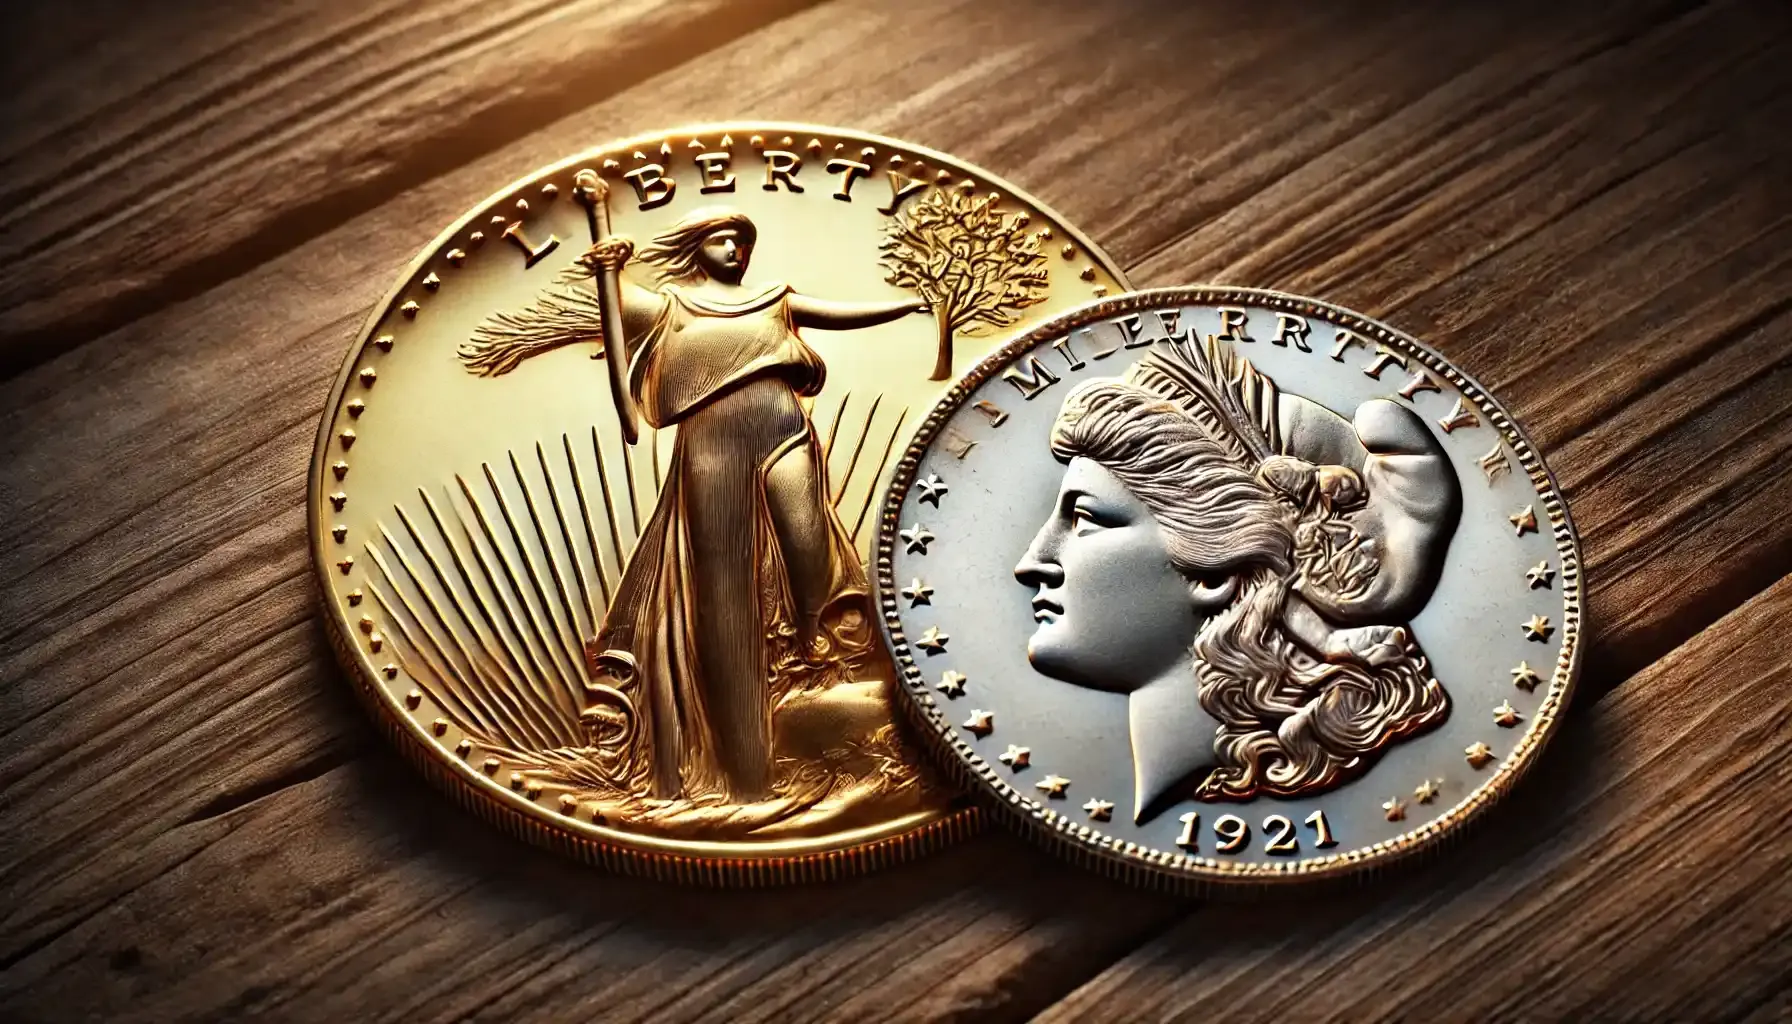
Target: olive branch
{"points": [[564, 313]]}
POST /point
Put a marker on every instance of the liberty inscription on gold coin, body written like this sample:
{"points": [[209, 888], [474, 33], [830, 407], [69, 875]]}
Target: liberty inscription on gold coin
{"points": [[591, 501]]}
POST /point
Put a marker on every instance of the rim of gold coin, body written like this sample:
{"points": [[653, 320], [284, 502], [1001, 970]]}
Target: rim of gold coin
{"points": [[474, 499]]}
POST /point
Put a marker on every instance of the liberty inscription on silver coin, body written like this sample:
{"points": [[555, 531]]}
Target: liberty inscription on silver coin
{"points": [[1219, 584]]}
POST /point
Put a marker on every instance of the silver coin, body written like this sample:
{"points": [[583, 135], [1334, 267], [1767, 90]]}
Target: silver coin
{"points": [[1207, 585]]}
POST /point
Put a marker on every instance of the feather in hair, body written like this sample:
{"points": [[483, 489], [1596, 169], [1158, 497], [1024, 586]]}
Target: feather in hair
{"points": [[1225, 394]]}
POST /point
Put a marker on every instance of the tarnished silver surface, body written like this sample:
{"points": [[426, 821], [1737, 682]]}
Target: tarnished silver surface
{"points": [[1223, 584]]}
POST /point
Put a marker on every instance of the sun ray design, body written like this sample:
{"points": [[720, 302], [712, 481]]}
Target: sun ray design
{"points": [[619, 556], [556, 625], [597, 560], [858, 449], [476, 694], [834, 430], [492, 586], [877, 471], [545, 677], [628, 479]]}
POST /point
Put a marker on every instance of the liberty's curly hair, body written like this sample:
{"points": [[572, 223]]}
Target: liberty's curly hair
{"points": [[1289, 723]]}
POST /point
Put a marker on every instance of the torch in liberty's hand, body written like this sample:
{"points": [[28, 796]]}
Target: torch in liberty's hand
{"points": [[594, 195]]}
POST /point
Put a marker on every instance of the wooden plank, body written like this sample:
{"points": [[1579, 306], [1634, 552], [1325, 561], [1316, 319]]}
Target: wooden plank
{"points": [[175, 737], [210, 137], [1646, 875], [317, 907], [64, 62]]}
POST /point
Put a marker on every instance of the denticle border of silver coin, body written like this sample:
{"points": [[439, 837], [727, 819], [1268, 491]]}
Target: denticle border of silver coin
{"points": [[1178, 871]]}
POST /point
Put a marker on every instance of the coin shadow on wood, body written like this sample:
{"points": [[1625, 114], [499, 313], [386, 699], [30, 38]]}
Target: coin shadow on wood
{"points": [[1495, 853], [538, 885]]}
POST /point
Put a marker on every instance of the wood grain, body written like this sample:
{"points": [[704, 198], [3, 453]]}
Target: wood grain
{"points": [[1660, 893], [1579, 205], [322, 907], [233, 132]]}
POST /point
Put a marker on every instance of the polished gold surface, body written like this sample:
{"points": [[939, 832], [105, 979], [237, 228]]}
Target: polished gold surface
{"points": [[619, 605]]}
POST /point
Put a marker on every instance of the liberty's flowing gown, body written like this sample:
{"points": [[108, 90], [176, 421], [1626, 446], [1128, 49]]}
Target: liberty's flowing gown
{"points": [[743, 546]]}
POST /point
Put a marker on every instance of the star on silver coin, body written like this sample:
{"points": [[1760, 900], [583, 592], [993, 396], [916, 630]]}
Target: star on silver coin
{"points": [[932, 489], [918, 593], [916, 538], [933, 641]]}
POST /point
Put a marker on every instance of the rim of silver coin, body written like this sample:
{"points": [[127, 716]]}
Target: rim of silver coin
{"points": [[1055, 821]]}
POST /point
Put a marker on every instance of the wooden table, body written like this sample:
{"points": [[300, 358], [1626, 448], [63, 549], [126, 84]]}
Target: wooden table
{"points": [[1590, 209]]}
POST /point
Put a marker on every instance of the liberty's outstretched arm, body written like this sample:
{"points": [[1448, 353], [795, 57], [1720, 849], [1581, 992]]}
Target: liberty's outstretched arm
{"points": [[825, 315]]}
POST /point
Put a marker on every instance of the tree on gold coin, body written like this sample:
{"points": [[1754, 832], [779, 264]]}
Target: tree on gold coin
{"points": [[977, 267]]}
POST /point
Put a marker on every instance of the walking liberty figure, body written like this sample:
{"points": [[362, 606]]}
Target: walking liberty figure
{"points": [[743, 560]]}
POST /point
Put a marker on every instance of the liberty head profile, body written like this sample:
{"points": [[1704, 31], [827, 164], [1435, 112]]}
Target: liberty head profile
{"points": [[1241, 563]]}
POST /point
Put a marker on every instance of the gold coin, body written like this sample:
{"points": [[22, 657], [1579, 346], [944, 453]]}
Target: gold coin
{"points": [[620, 606]]}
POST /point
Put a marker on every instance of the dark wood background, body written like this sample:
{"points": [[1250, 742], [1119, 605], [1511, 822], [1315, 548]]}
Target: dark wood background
{"points": [[1588, 206]]}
